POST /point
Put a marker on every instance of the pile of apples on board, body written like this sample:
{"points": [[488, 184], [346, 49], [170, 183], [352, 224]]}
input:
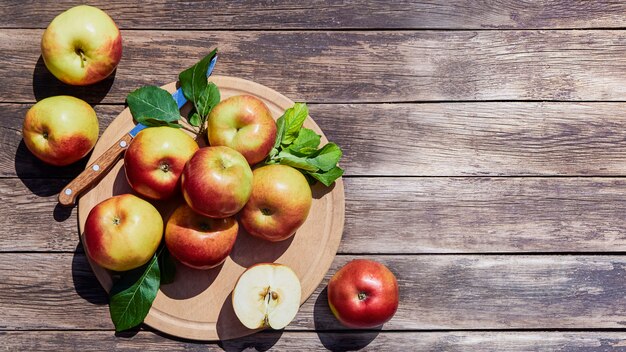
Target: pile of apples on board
{"points": [[220, 189]]}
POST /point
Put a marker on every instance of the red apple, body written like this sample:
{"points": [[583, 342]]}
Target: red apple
{"points": [[198, 241], [123, 232], [280, 203], [60, 130], [81, 46], [244, 123], [217, 182], [155, 161], [363, 294]]}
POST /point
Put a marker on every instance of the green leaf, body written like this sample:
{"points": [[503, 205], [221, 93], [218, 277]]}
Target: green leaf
{"points": [[328, 177], [286, 158], [153, 103], [167, 267], [294, 118], [280, 131], [156, 123], [209, 97], [306, 143], [326, 158], [193, 80], [194, 120], [132, 296]]}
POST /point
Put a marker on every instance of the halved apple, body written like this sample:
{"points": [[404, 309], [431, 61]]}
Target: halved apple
{"points": [[267, 295]]}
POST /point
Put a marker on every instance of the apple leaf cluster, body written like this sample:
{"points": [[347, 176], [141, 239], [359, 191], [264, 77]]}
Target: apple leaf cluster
{"points": [[297, 146], [132, 295], [204, 95], [153, 106]]}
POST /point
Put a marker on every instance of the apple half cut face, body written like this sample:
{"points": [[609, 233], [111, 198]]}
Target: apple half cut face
{"points": [[267, 295]]}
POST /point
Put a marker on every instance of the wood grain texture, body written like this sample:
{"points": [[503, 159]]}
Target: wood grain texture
{"points": [[322, 341], [59, 291], [439, 139], [351, 66], [327, 14], [398, 215]]}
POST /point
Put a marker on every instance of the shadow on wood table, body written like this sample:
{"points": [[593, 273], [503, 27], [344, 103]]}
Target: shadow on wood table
{"points": [[46, 85], [85, 282], [326, 326]]}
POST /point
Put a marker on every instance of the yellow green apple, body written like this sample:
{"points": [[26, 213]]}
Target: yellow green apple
{"points": [[244, 123], [155, 161], [81, 46], [122, 232], [217, 182], [60, 130], [279, 204], [198, 241]]}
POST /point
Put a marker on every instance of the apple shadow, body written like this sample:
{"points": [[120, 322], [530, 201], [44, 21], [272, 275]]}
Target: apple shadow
{"points": [[333, 335], [46, 85], [85, 282], [260, 341], [120, 184], [31, 170], [190, 282], [249, 250]]}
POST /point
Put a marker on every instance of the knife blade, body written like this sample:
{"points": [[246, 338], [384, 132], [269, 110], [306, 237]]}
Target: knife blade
{"points": [[100, 167]]}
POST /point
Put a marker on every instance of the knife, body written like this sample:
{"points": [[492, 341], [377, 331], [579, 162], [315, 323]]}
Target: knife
{"points": [[96, 170]]}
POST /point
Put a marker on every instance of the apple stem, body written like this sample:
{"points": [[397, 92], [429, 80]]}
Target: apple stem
{"points": [[362, 296], [82, 57]]}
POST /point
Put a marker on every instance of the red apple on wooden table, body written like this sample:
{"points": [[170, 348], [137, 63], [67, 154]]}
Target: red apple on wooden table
{"points": [[363, 294], [155, 160], [280, 203], [60, 130], [123, 232], [244, 123], [217, 182], [198, 241], [81, 46]]}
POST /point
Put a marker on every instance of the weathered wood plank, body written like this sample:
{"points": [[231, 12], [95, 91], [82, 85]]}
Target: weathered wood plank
{"points": [[398, 215], [321, 341], [475, 139], [351, 66], [326, 14], [452, 139], [59, 291]]}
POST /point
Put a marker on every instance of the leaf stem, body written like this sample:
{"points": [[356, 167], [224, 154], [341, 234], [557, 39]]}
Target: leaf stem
{"points": [[189, 129]]}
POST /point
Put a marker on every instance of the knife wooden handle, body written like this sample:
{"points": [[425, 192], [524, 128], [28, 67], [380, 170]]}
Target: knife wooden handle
{"points": [[94, 172]]}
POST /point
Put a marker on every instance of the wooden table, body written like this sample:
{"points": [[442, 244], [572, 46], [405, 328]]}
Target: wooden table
{"points": [[485, 155]]}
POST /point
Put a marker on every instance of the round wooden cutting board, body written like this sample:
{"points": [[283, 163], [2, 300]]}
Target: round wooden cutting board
{"points": [[197, 305]]}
